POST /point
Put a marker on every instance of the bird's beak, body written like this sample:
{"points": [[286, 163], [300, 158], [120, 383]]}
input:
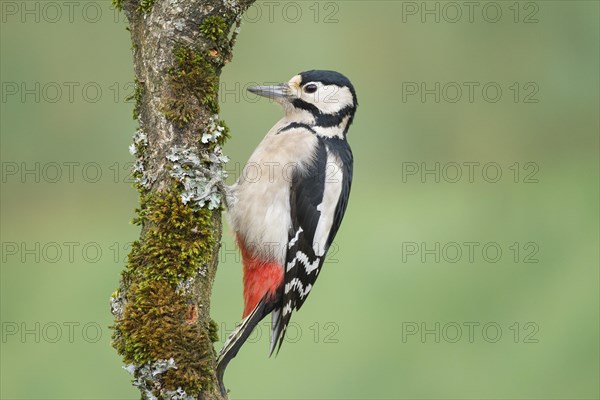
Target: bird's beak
{"points": [[272, 92]]}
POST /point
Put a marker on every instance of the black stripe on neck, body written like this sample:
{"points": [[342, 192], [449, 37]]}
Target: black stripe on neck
{"points": [[325, 120], [294, 125]]}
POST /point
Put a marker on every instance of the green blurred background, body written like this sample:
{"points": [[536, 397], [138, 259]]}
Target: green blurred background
{"points": [[360, 335]]}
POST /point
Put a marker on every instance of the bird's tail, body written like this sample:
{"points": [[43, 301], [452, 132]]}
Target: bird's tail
{"points": [[237, 338]]}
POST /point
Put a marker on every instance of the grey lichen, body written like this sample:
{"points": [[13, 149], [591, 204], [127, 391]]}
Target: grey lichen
{"points": [[145, 378], [213, 131], [178, 394], [186, 286], [116, 304], [140, 141], [138, 149], [201, 173]]}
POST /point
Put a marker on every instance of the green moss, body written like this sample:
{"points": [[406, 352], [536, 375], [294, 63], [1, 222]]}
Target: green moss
{"points": [[137, 94], [193, 79], [145, 5], [192, 75], [177, 242], [154, 328], [225, 134], [118, 4], [213, 331], [178, 111], [214, 28]]}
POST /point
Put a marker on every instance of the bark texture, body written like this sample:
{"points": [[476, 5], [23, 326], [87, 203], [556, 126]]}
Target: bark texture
{"points": [[162, 327]]}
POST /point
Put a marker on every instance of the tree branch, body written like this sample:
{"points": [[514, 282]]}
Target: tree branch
{"points": [[163, 328]]}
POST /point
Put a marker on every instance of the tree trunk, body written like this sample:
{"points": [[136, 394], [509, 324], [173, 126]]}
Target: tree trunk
{"points": [[162, 327]]}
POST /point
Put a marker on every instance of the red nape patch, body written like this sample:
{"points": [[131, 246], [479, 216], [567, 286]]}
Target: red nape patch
{"points": [[260, 277]]}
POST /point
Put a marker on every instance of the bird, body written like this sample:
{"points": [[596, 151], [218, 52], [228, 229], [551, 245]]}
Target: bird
{"points": [[289, 201]]}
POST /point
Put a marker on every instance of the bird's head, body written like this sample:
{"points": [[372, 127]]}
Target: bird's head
{"points": [[317, 97]]}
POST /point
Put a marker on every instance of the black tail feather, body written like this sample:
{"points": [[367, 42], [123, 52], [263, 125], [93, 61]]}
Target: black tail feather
{"points": [[239, 336], [275, 329]]}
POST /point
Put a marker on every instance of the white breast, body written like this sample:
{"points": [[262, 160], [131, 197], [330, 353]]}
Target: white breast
{"points": [[260, 211]]}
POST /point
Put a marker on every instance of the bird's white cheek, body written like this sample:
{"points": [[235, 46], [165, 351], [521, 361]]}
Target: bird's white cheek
{"points": [[333, 98]]}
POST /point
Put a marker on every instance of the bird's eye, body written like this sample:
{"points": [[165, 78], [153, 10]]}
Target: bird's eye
{"points": [[310, 88]]}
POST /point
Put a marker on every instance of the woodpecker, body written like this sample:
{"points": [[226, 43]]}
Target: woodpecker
{"points": [[287, 205]]}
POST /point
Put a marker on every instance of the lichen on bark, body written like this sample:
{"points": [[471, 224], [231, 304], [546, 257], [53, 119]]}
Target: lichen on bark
{"points": [[163, 328]]}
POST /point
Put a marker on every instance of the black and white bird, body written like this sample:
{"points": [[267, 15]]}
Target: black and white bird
{"points": [[287, 206]]}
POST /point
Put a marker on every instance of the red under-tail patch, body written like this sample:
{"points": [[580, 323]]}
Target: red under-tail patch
{"points": [[260, 277]]}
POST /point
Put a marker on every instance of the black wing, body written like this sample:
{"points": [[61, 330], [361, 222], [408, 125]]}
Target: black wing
{"points": [[304, 258]]}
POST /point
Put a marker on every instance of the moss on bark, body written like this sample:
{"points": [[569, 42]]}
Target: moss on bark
{"points": [[163, 328], [160, 317]]}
